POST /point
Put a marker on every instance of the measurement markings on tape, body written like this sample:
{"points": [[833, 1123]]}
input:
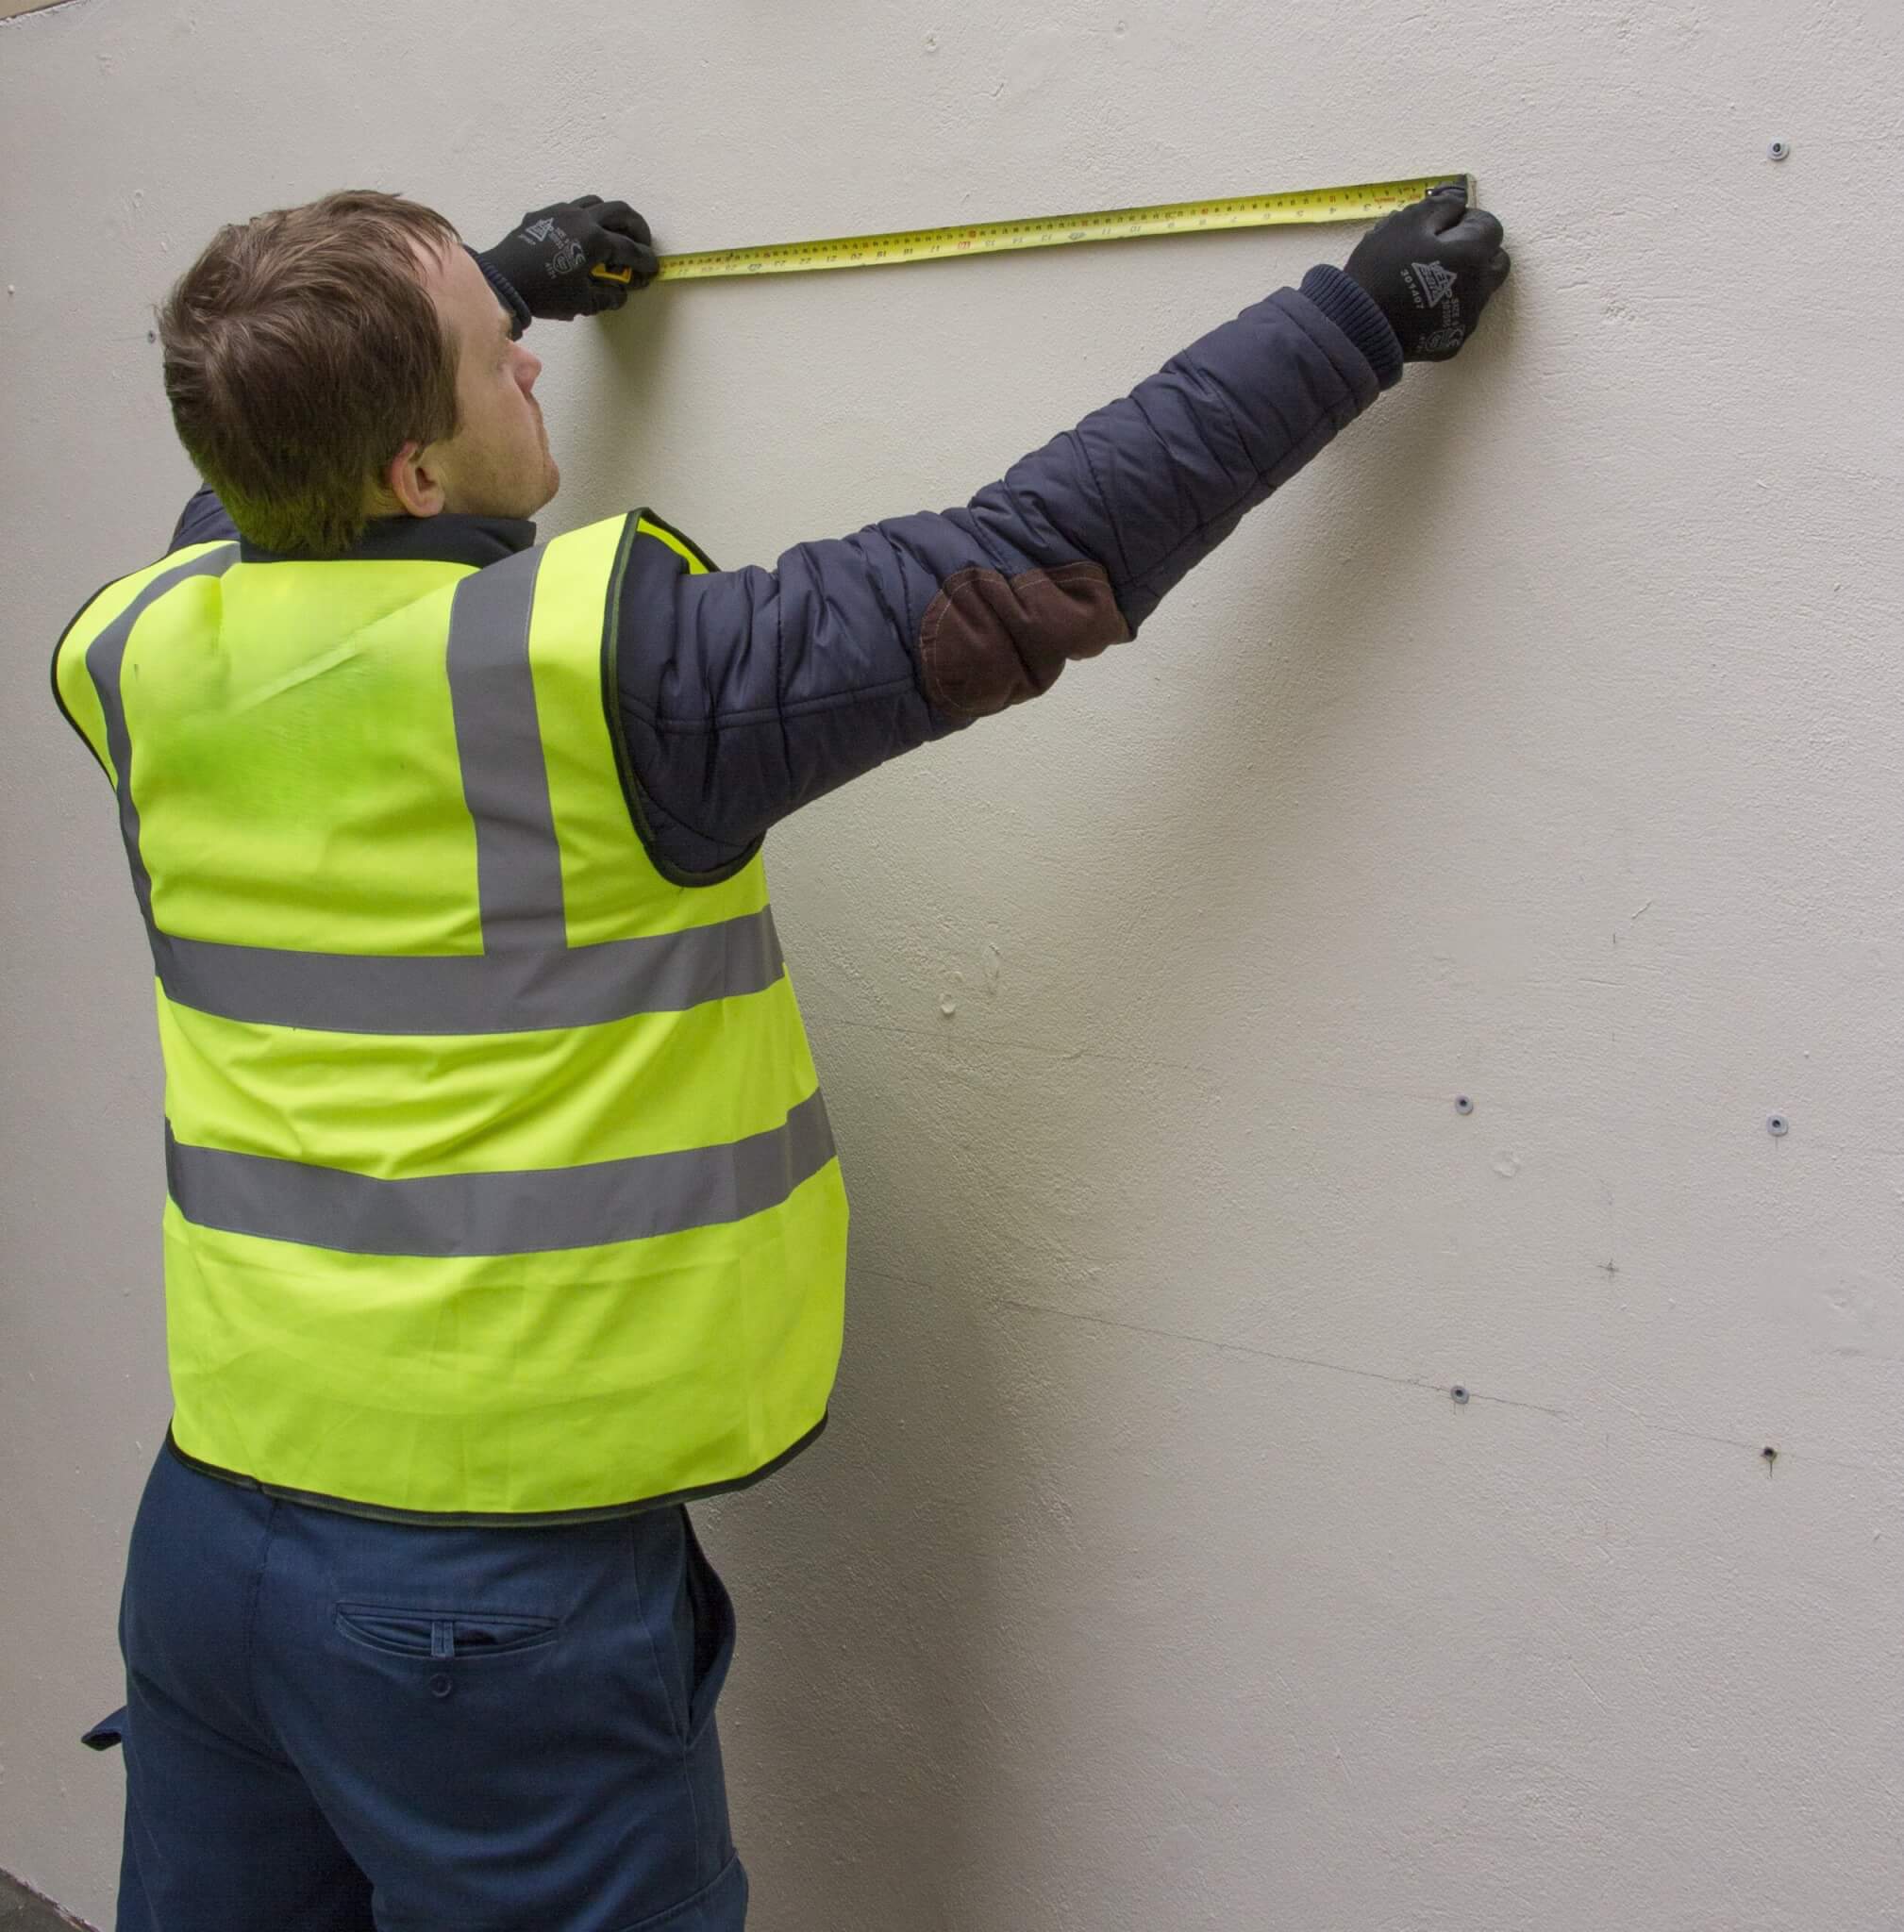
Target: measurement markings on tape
{"points": [[1360, 202]]}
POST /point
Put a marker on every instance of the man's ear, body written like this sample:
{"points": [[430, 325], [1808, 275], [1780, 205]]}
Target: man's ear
{"points": [[411, 479]]}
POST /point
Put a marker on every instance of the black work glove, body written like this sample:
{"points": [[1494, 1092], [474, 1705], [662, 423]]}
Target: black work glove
{"points": [[546, 262], [1430, 268]]}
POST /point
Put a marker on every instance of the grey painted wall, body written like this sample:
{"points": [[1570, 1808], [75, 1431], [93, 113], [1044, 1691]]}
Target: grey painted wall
{"points": [[1543, 744]]}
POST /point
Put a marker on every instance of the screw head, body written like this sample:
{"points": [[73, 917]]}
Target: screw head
{"points": [[1778, 150], [1463, 1104], [1778, 1126], [1459, 1391]]}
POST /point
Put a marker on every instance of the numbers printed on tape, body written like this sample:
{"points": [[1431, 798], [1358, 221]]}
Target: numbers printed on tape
{"points": [[1362, 202]]}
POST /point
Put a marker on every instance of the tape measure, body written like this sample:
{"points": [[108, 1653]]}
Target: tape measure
{"points": [[1362, 202]]}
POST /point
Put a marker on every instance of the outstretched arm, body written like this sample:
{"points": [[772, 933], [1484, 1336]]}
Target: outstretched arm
{"points": [[743, 694]]}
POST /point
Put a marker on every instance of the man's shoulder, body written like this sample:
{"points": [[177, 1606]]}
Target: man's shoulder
{"points": [[649, 524]]}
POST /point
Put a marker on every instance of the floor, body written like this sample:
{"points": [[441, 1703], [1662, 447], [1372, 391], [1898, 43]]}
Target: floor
{"points": [[26, 1911]]}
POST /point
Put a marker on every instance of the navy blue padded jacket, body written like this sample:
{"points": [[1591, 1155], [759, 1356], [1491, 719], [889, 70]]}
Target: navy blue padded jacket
{"points": [[746, 693]]}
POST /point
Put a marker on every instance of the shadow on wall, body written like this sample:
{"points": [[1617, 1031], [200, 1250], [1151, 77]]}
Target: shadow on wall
{"points": [[21, 1908], [1323, 628], [875, 1589]]}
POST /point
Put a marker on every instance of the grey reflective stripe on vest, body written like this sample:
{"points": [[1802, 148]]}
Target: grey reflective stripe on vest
{"points": [[105, 660], [493, 695], [524, 1212], [526, 979], [475, 993]]}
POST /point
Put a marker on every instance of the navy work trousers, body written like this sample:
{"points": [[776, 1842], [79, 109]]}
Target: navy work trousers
{"points": [[334, 1725]]}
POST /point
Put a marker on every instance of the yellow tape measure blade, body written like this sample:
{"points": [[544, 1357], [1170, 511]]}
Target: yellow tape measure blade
{"points": [[1360, 202]]}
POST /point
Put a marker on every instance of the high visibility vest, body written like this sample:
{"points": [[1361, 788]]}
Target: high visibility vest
{"points": [[499, 1181]]}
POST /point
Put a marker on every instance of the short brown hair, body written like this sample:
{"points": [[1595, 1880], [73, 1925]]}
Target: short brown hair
{"points": [[302, 351]]}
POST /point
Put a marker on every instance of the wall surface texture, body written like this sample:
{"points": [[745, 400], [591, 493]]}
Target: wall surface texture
{"points": [[1543, 744]]}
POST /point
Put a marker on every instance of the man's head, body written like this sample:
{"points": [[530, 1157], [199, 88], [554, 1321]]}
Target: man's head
{"points": [[346, 359]]}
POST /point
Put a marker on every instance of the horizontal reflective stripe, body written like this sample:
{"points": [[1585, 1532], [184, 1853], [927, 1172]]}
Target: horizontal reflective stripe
{"points": [[519, 1212], [526, 991]]}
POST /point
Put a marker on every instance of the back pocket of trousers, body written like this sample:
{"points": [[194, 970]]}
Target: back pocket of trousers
{"points": [[440, 1633]]}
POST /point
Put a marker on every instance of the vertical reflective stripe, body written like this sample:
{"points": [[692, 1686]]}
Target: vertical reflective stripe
{"points": [[528, 977], [519, 870], [105, 662]]}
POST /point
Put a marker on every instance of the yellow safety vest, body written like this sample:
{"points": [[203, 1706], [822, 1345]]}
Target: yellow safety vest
{"points": [[499, 1180]]}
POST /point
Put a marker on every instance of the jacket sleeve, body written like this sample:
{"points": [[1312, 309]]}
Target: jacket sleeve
{"points": [[743, 694]]}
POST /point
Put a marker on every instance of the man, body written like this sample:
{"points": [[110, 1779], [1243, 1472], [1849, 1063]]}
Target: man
{"points": [[503, 1214]]}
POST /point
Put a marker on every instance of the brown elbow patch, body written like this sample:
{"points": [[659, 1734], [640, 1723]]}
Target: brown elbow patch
{"points": [[988, 641]]}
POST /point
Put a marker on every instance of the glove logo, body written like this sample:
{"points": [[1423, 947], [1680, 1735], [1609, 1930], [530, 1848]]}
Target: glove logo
{"points": [[1432, 280], [566, 255]]}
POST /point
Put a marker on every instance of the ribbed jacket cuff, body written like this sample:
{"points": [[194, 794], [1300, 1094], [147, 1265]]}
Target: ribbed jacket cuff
{"points": [[505, 290], [1354, 310]]}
